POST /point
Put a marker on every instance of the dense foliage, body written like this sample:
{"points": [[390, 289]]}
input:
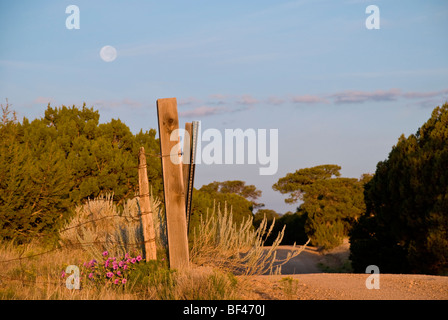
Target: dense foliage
{"points": [[294, 223], [405, 227], [52, 163], [330, 203], [236, 195]]}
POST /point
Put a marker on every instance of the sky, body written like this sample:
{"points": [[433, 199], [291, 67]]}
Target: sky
{"points": [[336, 91]]}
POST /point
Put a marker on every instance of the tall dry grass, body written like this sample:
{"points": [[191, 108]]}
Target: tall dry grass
{"points": [[99, 225], [238, 248]]}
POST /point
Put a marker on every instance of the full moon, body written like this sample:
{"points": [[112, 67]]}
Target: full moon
{"points": [[108, 53]]}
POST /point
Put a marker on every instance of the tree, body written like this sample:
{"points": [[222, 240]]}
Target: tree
{"points": [[249, 192], [34, 185], [236, 195], [405, 226], [296, 183], [49, 165], [262, 213], [101, 156], [331, 203]]}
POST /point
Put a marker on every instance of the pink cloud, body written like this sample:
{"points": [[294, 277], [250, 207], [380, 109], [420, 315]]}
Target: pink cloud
{"points": [[117, 103], [187, 101], [275, 100], [218, 98], [308, 99], [201, 111], [351, 96], [418, 95], [45, 100], [247, 99]]}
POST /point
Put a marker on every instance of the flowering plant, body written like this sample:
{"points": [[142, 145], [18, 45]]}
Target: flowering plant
{"points": [[110, 271]]}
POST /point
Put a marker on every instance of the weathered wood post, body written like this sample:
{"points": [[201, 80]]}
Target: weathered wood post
{"points": [[173, 184], [145, 206]]}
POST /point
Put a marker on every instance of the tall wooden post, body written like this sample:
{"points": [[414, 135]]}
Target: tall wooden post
{"points": [[145, 206], [173, 184]]}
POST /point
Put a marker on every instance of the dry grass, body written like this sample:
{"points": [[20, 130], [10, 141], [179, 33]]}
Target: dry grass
{"points": [[39, 278], [219, 250], [237, 248], [99, 225]]}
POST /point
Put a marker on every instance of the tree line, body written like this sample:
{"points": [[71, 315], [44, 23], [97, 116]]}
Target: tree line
{"points": [[396, 218]]}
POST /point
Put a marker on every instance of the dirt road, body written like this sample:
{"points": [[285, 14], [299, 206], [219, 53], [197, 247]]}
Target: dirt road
{"points": [[339, 286], [311, 260], [302, 278], [306, 262]]}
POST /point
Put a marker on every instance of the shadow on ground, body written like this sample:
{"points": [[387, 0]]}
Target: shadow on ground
{"points": [[311, 260]]}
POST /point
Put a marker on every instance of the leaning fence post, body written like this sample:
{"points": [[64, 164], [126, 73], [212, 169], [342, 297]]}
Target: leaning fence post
{"points": [[173, 184], [145, 206]]}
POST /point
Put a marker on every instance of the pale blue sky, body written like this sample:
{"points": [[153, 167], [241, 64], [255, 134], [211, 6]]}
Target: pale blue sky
{"points": [[336, 91]]}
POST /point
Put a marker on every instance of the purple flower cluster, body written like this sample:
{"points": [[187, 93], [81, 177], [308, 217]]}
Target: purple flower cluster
{"points": [[111, 270]]}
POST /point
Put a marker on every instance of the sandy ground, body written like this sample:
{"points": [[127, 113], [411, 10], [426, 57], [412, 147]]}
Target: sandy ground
{"points": [[343, 286], [302, 278]]}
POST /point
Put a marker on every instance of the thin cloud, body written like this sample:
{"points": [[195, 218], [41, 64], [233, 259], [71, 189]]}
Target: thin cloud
{"points": [[188, 101], [419, 95], [126, 102], [308, 99], [352, 96], [427, 99], [217, 103], [202, 111], [247, 99], [43, 100], [218, 98], [275, 101]]}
